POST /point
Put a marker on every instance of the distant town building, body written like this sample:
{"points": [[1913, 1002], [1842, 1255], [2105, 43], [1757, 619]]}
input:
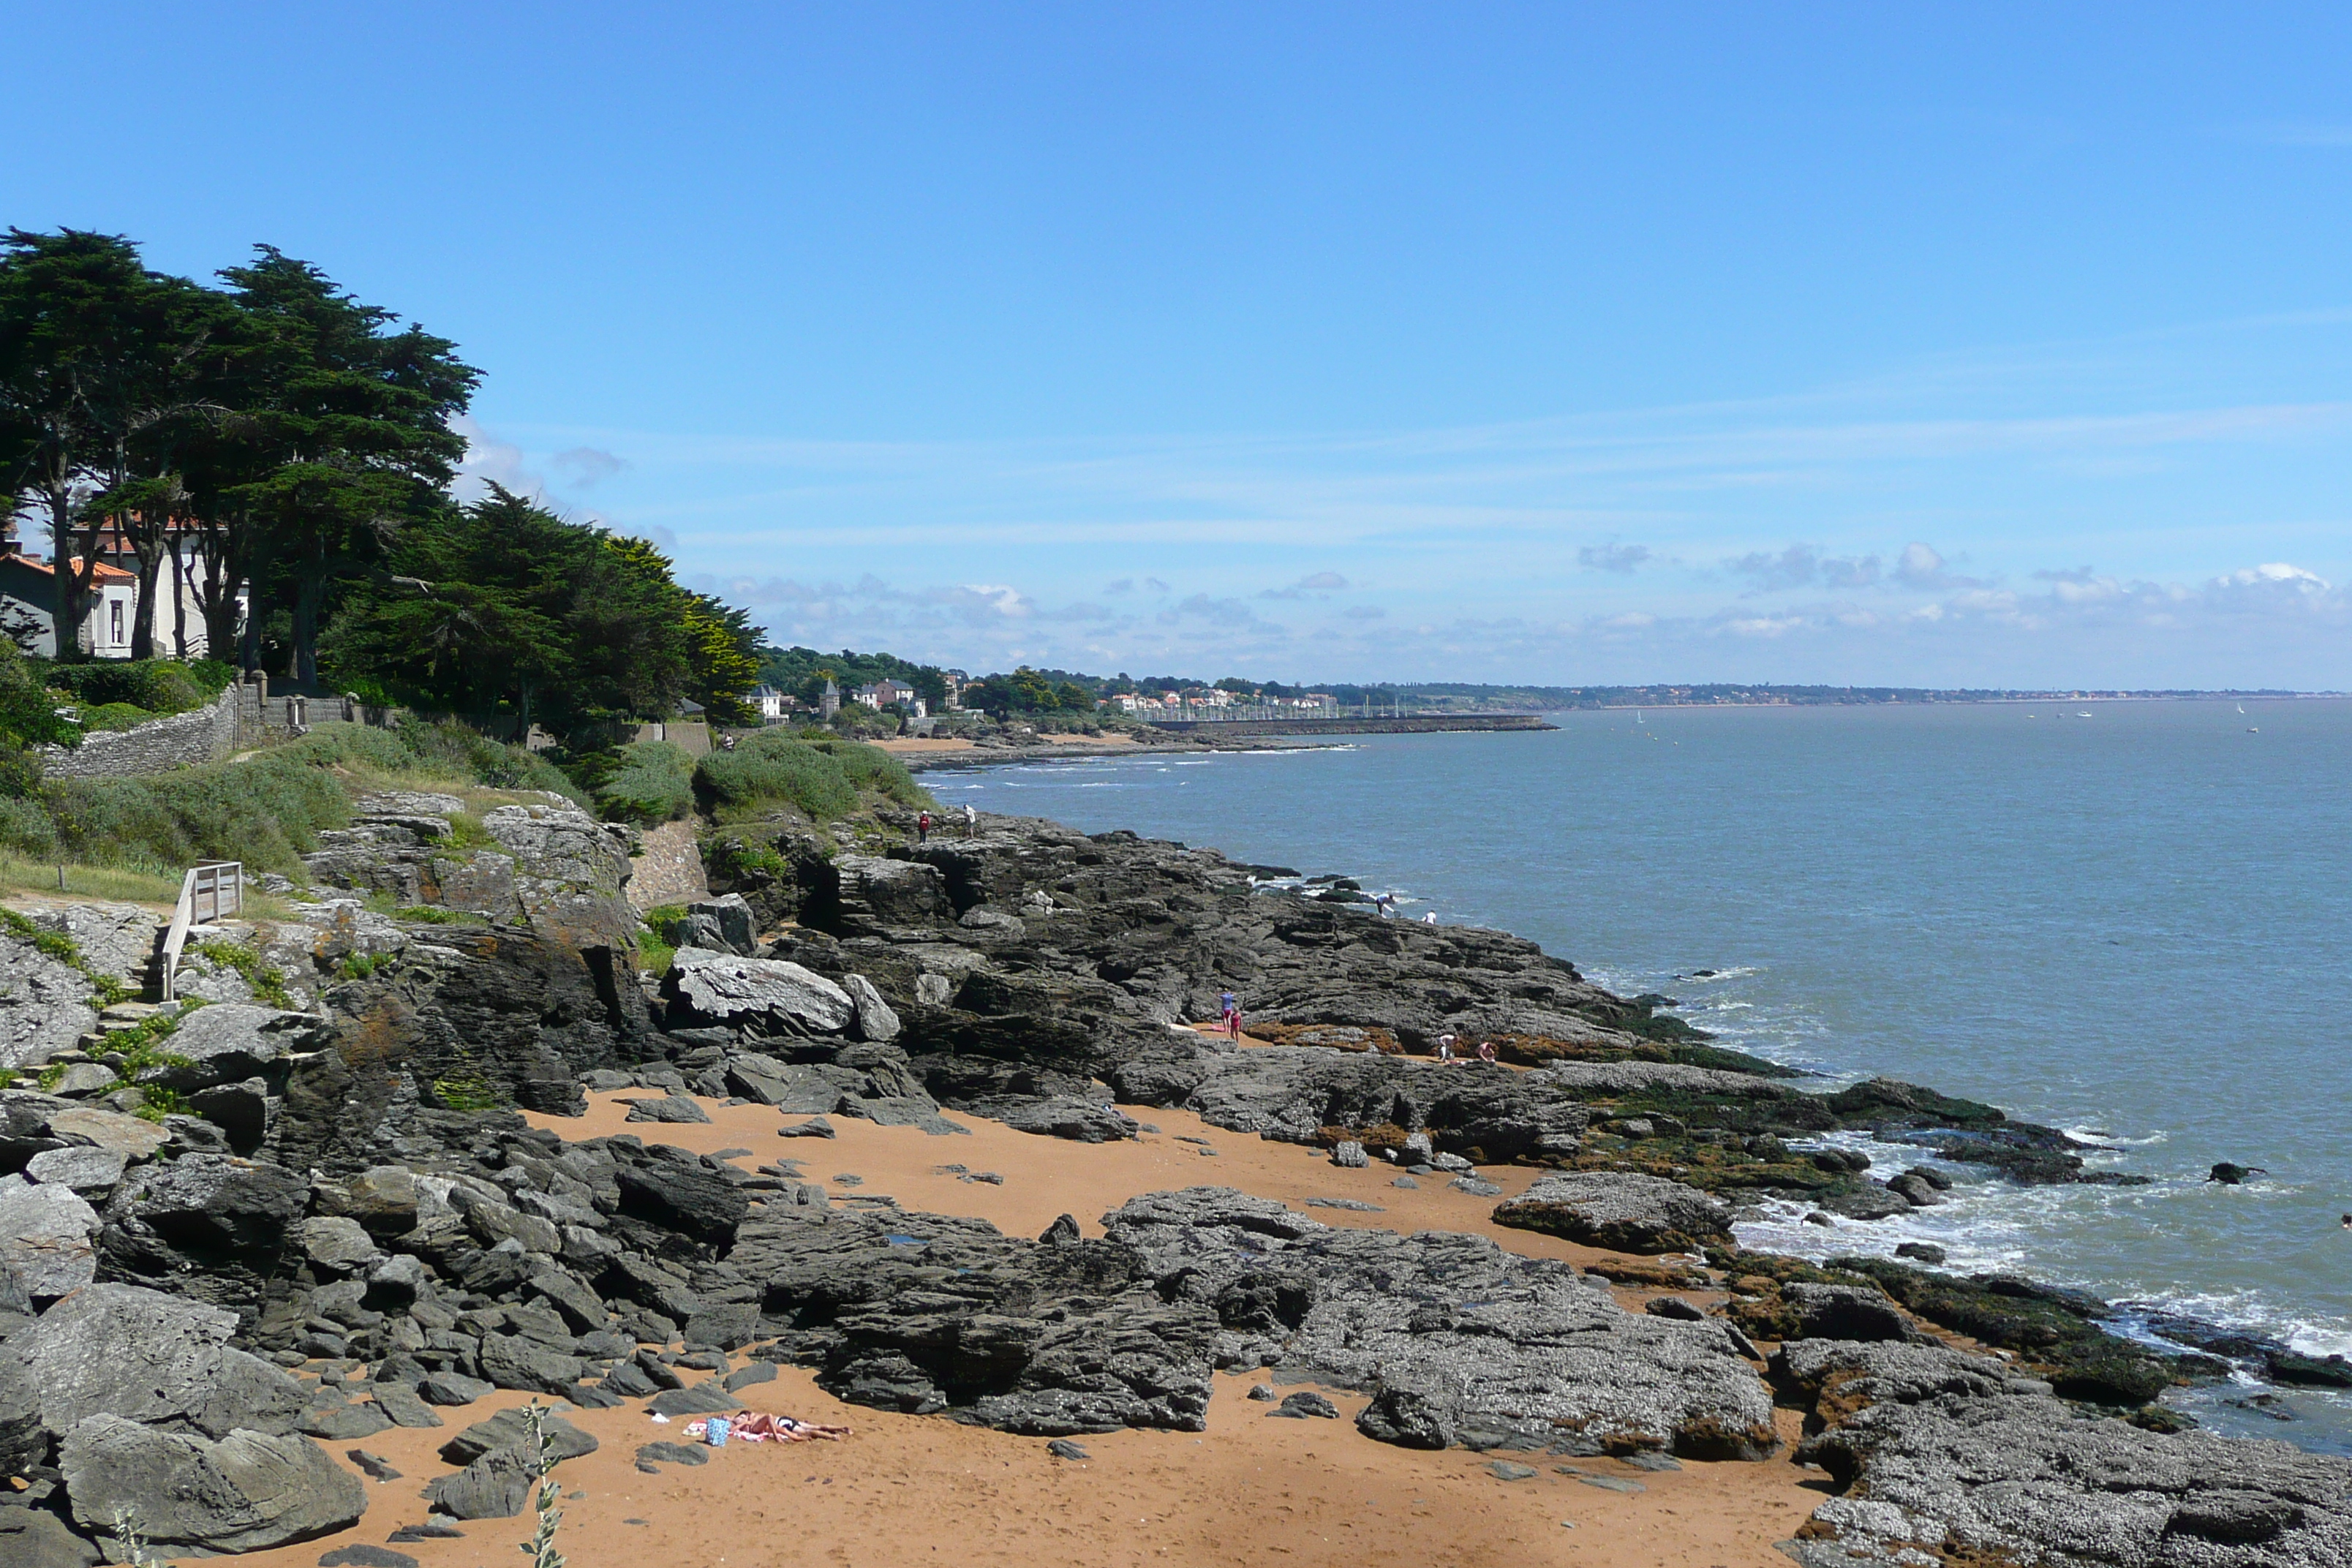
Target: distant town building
{"points": [[885, 693], [955, 682], [829, 703], [772, 704]]}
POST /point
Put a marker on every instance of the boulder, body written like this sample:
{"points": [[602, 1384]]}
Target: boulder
{"points": [[44, 1004], [1846, 1313], [159, 1360], [339, 1246], [669, 1108], [1620, 1210], [45, 1234], [768, 996], [229, 1042], [874, 1020], [496, 1486], [248, 1492], [728, 921], [507, 1430], [680, 1192]]}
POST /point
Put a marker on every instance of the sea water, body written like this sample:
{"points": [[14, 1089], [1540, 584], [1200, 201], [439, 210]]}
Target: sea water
{"points": [[2129, 920]]}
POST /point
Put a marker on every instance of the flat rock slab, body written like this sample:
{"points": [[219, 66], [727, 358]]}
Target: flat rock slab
{"points": [[45, 1234], [1505, 1470], [768, 994], [672, 1454], [507, 1430], [667, 1108], [1621, 1210]]}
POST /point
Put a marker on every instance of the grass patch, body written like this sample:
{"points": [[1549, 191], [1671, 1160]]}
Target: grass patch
{"points": [[109, 883], [435, 915], [465, 1091], [266, 981], [654, 949]]}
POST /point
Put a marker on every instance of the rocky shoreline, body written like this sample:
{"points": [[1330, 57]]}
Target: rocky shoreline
{"points": [[311, 1209]]}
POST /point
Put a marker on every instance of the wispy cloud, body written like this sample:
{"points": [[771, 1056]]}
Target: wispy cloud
{"points": [[1613, 557]]}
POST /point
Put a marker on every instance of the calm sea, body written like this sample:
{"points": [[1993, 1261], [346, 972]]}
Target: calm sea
{"points": [[2129, 920]]}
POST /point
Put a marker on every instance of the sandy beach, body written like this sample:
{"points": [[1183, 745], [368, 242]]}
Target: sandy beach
{"points": [[915, 1488]]}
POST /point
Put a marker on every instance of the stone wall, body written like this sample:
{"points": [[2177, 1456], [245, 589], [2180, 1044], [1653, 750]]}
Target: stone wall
{"points": [[205, 735], [667, 870]]}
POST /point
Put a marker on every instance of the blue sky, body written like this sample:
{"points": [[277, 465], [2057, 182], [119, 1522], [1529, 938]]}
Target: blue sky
{"points": [[1986, 345]]}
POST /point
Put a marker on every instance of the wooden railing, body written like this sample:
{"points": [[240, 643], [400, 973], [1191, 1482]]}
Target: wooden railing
{"points": [[211, 890]]}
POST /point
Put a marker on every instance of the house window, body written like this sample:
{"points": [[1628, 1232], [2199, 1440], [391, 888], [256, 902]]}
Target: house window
{"points": [[117, 607]]}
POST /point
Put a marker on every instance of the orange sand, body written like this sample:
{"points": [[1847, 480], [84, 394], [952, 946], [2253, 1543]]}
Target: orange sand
{"points": [[910, 1490]]}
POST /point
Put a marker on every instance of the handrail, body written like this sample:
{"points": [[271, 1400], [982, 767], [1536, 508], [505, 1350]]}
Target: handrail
{"points": [[211, 889]]}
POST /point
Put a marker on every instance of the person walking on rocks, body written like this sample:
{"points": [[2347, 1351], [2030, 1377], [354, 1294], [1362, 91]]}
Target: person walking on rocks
{"points": [[923, 829], [1229, 1016], [1446, 1047], [971, 820]]}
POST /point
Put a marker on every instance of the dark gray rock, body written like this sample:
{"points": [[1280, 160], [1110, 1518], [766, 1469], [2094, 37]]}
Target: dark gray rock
{"points": [[669, 1108], [1305, 1404], [1063, 1449], [454, 1388], [496, 1486], [91, 1172], [1505, 1470], [1476, 1186], [1846, 1313], [507, 1430], [1621, 1210], [815, 1127], [405, 1405], [36, 1538], [1080, 1121], [343, 1422], [510, 1361], [671, 1454], [710, 1398], [1349, 1155], [365, 1556], [1925, 1252], [744, 1377], [2022, 1476], [339, 1246], [229, 1042], [248, 1492]]}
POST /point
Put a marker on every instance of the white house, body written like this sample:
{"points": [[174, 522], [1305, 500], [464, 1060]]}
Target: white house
{"points": [[25, 599], [27, 594]]}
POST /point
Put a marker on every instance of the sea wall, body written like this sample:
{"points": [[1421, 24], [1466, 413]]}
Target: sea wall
{"points": [[1415, 724]]}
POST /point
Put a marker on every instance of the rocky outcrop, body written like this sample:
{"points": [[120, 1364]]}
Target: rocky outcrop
{"points": [[766, 997], [1459, 1341]]}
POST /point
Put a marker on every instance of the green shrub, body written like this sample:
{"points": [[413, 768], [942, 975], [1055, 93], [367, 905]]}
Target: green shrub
{"points": [[114, 716], [821, 779], [651, 781], [26, 829], [157, 685]]}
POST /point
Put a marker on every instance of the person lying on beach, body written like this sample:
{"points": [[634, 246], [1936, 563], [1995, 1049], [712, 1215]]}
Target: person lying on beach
{"points": [[759, 1427]]}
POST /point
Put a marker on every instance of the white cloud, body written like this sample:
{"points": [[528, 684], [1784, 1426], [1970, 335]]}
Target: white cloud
{"points": [[1613, 557]]}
